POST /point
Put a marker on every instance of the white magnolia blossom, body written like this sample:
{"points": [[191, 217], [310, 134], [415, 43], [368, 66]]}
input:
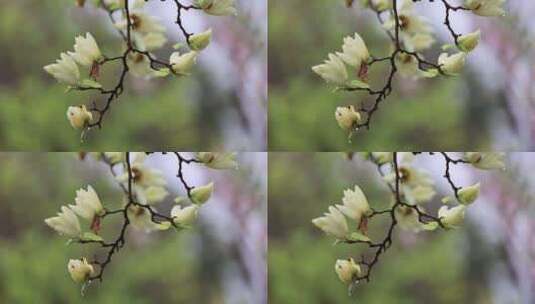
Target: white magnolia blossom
{"points": [[415, 184], [151, 195], [79, 117], [381, 5], [486, 161], [333, 223], [139, 65], [354, 52], [408, 66], [355, 204], [468, 195], [65, 223], [142, 23], [452, 64], [200, 41], [149, 42], [333, 70], [217, 160], [86, 50], [87, 204], [115, 157], [217, 7], [347, 270], [199, 195], [486, 8], [452, 217], [415, 30], [143, 176], [185, 216], [469, 42], [347, 117], [121, 3], [64, 70], [182, 64], [80, 270], [141, 219]]}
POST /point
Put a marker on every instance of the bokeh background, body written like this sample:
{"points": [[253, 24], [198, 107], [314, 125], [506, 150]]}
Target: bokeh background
{"points": [[490, 106], [221, 260], [222, 105], [491, 259]]}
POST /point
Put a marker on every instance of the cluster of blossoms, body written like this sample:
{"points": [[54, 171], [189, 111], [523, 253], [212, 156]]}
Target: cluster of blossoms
{"points": [[144, 187], [142, 34], [411, 188], [410, 35]]}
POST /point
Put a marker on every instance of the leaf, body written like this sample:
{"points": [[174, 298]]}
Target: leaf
{"points": [[89, 236], [358, 237], [357, 84], [430, 226], [429, 73], [162, 72], [90, 83], [446, 47]]}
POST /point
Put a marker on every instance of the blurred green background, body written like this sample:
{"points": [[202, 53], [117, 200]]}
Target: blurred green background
{"points": [[195, 113], [206, 264], [478, 110], [489, 260]]}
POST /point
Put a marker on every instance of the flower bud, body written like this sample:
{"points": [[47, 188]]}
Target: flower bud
{"points": [[347, 117], [185, 216], [182, 64], [80, 270], [200, 195], [451, 217], [469, 42], [347, 270], [79, 116], [468, 195], [451, 65], [199, 42]]}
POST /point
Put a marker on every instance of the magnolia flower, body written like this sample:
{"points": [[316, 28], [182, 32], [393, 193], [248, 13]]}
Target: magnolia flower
{"points": [[333, 223], [217, 7], [469, 42], [355, 205], [415, 30], [199, 195], [451, 64], [468, 195], [149, 42], [86, 51], [139, 65], [142, 23], [333, 70], [486, 8], [185, 216], [121, 3], [218, 160], [141, 218], [80, 270], [347, 270], [142, 175], [64, 70], [347, 117], [486, 161], [355, 53], [87, 204], [408, 219], [182, 64], [451, 217], [151, 195], [417, 42], [66, 223], [415, 184], [408, 66], [200, 41], [79, 116]]}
